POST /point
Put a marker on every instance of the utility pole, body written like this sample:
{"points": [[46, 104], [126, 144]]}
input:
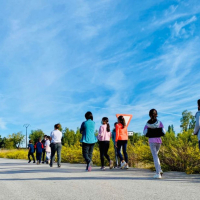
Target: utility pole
{"points": [[26, 126]]}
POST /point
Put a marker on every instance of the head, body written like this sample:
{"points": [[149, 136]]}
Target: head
{"points": [[30, 141], [153, 114], [39, 139], [56, 126], [88, 115], [48, 137], [115, 125], [121, 120], [198, 103], [45, 137], [105, 120]]}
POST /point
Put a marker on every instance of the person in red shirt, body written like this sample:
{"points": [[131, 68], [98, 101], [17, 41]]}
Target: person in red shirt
{"points": [[121, 141]]}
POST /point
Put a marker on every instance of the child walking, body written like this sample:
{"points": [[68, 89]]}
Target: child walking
{"points": [[88, 139], [154, 129], [39, 147], [31, 152], [121, 141], [48, 150], [115, 148], [104, 136]]}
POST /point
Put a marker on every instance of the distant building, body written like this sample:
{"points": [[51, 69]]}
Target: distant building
{"points": [[130, 133]]}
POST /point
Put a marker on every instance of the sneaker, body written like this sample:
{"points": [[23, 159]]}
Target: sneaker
{"points": [[37, 162], [111, 164], [29, 161], [59, 166], [103, 168], [89, 167], [161, 172], [33, 161], [42, 162], [126, 166], [123, 165], [157, 176]]}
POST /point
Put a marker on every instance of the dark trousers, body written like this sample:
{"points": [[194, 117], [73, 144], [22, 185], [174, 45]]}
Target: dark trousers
{"points": [[43, 155], [123, 144], [56, 147], [103, 147], [38, 156], [87, 150], [199, 144], [29, 156]]}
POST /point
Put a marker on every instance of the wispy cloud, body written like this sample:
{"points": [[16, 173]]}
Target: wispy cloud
{"points": [[61, 59]]}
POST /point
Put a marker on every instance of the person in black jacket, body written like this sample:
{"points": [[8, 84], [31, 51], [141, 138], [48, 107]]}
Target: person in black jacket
{"points": [[43, 151]]}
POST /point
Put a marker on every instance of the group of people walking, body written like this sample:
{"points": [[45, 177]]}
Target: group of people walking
{"points": [[48, 146], [154, 130]]}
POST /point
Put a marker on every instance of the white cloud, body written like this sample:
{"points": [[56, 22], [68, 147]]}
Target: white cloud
{"points": [[2, 124]]}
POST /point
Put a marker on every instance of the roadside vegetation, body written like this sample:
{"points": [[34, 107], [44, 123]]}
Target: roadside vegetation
{"points": [[179, 152]]}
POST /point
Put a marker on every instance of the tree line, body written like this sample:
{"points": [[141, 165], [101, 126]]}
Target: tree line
{"points": [[71, 137]]}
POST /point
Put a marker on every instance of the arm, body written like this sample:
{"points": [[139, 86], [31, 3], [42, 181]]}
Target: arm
{"points": [[117, 133], [82, 128], [197, 124], [100, 133], [145, 130], [162, 126]]}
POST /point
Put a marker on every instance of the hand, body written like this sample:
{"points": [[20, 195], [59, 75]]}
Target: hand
{"points": [[115, 144]]}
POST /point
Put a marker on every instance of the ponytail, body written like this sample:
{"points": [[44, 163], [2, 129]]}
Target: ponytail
{"points": [[107, 122], [122, 121]]}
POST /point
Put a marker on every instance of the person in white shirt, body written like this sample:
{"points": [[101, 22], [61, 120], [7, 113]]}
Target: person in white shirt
{"points": [[197, 124], [48, 149], [56, 145]]}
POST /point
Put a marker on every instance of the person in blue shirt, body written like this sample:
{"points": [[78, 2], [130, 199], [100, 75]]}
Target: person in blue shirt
{"points": [[39, 148], [113, 139], [88, 139], [31, 152]]}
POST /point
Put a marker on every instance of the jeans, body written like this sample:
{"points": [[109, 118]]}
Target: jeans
{"points": [[103, 147], [123, 144], [155, 147], [38, 156], [116, 155], [31, 154], [55, 147], [48, 156], [43, 155], [87, 150]]}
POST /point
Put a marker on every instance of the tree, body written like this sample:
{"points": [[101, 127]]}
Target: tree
{"points": [[2, 142], [186, 120], [17, 139], [35, 135]]}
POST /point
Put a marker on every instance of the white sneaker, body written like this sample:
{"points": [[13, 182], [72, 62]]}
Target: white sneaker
{"points": [[123, 165], [157, 176], [126, 166]]}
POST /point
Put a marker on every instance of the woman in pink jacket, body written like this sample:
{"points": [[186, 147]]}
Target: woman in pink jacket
{"points": [[104, 136]]}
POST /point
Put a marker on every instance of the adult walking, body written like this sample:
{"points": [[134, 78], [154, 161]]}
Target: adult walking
{"points": [[197, 123], [121, 141], [88, 139], [56, 146], [154, 129]]}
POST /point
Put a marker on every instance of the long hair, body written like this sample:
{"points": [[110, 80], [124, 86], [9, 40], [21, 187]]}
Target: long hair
{"points": [[152, 115], [122, 120], [105, 119]]}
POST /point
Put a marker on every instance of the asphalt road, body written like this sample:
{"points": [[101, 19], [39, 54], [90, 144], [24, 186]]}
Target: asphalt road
{"points": [[20, 180]]}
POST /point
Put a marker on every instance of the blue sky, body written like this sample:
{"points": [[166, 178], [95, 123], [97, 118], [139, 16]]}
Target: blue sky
{"points": [[59, 59]]}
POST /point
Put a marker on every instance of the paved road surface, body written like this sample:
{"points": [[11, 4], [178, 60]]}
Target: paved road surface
{"points": [[20, 180]]}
